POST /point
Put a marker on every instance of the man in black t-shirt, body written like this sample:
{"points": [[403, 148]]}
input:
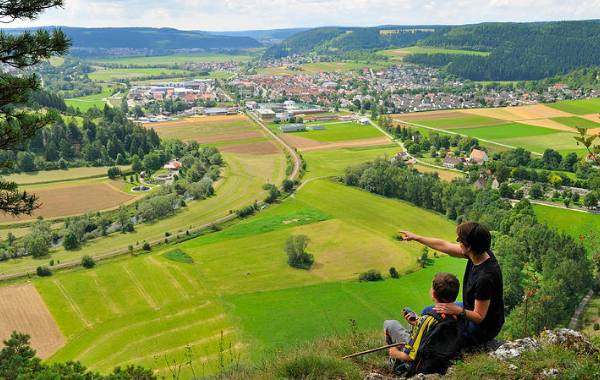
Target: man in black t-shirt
{"points": [[483, 303]]}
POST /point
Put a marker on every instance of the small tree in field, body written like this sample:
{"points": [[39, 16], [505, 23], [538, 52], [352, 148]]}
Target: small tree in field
{"points": [[88, 262], [295, 248], [394, 273]]}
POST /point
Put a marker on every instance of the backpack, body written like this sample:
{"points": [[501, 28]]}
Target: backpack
{"points": [[440, 346]]}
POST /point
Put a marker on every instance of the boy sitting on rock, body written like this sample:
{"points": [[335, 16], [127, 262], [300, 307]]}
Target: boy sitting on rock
{"points": [[445, 288]]}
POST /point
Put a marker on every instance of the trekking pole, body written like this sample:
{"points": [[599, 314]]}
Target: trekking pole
{"points": [[372, 350]]}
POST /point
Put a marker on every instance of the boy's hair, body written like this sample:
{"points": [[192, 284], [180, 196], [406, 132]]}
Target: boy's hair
{"points": [[445, 287], [474, 235]]}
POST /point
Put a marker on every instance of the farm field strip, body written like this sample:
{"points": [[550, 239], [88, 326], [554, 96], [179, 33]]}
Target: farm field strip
{"points": [[336, 132], [578, 122], [578, 107], [69, 198], [51, 176]]}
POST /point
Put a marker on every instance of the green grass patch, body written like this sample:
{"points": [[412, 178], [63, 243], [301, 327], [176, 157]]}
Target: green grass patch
{"points": [[179, 256], [334, 162], [577, 122], [51, 176], [341, 132], [84, 103], [579, 225], [578, 107], [506, 131], [290, 316], [460, 122]]}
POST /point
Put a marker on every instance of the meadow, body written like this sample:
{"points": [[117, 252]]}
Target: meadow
{"points": [[340, 131], [459, 122], [171, 304], [579, 225], [84, 103], [578, 107], [577, 122]]}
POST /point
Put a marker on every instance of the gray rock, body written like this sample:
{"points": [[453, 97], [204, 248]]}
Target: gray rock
{"points": [[569, 339], [515, 348], [550, 373]]}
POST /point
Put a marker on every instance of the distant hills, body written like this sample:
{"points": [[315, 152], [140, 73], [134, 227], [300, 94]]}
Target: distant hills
{"points": [[333, 40], [266, 36], [518, 51], [89, 41]]}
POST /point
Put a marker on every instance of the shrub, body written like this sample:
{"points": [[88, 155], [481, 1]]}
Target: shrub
{"points": [[394, 273], [88, 262], [314, 366], [146, 246], [246, 211], [70, 241], [596, 326], [370, 275], [288, 185], [295, 248], [43, 271], [114, 172]]}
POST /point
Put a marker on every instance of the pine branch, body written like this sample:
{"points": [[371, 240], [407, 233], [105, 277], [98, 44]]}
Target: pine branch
{"points": [[25, 9], [30, 48], [14, 202]]}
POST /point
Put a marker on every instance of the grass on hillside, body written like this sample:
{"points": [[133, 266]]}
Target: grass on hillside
{"points": [[334, 162], [579, 225], [340, 132], [399, 54], [153, 306], [577, 122], [578, 107], [84, 103], [179, 256], [460, 122]]}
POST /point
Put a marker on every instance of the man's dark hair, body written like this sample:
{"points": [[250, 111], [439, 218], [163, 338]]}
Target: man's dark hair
{"points": [[445, 287], [474, 235]]}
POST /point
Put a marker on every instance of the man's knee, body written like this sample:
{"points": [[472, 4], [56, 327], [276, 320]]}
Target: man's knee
{"points": [[390, 325]]}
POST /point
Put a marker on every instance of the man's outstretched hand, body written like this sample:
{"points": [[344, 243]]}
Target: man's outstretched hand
{"points": [[408, 236]]}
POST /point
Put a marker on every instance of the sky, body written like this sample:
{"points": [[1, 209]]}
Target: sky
{"points": [[228, 15]]}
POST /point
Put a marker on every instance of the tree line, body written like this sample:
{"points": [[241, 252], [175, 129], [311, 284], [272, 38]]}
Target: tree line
{"points": [[545, 271], [518, 51]]}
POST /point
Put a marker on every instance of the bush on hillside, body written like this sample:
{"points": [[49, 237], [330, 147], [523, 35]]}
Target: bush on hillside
{"points": [[114, 172], [370, 275], [88, 262], [146, 246], [288, 185], [295, 248], [70, 241], [43, 271], [394, 273]]}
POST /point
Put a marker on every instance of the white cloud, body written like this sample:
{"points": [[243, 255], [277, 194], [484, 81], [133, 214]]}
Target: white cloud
{"points": [[265, 14]]}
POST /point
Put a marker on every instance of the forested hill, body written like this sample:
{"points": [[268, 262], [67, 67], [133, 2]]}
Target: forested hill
{"points": [[342, 39], [158, 39], [517, 50]]}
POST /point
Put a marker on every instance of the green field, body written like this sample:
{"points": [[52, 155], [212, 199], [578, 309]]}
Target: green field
{"points": [[341, 131], [398, 54], [578, 107], [59, 175], [84, 103], [508, 131], [460, 122], [577, 122], [334, 162], [175, 59], [104, 75], [576, 224], [152, 307]]}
